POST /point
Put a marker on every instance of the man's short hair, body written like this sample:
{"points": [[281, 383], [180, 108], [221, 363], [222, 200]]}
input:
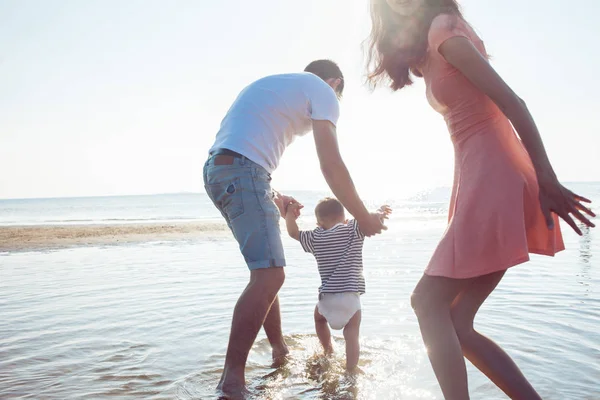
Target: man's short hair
{"points": [[329, 208], [327, 69]]}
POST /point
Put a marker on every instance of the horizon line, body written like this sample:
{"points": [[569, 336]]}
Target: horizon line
{"points": [[200, 192]]}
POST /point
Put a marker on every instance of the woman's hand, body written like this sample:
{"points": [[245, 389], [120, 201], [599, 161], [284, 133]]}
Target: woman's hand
{"points": [[556, 198]]}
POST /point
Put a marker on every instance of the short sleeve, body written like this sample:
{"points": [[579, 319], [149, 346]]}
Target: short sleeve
{"points": [[444, 27], [307, 240], [356, 229], [323, 102]]}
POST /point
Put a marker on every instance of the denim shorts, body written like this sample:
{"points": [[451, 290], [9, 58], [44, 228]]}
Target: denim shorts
{"points": [[242, 193]]}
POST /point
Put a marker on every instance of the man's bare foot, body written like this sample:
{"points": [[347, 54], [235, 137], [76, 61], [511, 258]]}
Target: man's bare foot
{"points": [[354, 371]]}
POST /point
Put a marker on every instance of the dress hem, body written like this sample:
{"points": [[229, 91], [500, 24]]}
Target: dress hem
{"points": [[503, 267]]}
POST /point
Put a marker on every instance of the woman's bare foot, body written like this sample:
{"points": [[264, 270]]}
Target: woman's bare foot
{"points": [[280, 355], [232, 387], [232, 391]]}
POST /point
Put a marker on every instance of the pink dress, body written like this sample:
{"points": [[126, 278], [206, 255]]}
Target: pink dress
{"points": [[495, 219]]}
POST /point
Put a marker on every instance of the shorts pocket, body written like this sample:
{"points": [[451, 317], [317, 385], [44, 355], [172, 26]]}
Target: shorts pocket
{"points": [[265, 195], [227, 197]]}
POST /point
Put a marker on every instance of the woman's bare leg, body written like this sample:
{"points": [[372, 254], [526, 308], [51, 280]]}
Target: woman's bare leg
{"points": [[431, 300], [482, 352]]}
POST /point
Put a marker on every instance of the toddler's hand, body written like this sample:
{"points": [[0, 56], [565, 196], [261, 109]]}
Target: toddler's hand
{"points": [[293, 210], [282, 201]]}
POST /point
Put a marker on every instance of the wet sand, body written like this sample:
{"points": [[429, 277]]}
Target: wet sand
{"points": [[41, 237]]}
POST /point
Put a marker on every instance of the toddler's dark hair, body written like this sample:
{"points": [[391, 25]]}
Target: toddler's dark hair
{"points": [[328, 208]]}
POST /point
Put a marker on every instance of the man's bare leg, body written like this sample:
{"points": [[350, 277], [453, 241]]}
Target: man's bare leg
{"points": [[351, 335], [323, 332], [249, 315], [274, 333]]}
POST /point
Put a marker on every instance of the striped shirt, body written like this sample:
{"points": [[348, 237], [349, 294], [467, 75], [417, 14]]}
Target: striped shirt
{"points": [[338, 252]]}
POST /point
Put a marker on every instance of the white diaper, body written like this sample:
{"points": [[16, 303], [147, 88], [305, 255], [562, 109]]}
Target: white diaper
{"points": [[338, 308]]}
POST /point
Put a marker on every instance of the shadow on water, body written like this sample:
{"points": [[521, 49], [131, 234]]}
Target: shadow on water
{"points": [[306, 375]]}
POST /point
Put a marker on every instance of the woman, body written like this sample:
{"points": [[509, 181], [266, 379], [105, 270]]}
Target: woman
{"points": [[505, 190]]}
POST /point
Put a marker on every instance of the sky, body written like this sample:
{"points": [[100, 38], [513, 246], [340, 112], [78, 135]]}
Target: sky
{"points": [[111, 97]]}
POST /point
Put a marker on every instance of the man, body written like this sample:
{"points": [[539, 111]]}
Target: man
{"points": [[264, 119]]}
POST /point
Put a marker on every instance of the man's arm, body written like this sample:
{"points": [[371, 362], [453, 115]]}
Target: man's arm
{"points": [[338, 178], [334, 169]]}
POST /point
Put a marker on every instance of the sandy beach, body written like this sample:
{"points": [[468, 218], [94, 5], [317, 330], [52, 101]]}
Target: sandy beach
{"points": [[40, 237]]}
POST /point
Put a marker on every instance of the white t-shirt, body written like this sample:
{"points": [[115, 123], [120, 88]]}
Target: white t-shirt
{"points": [[269, 113]]}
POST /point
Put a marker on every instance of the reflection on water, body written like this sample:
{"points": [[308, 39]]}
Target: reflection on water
{"points": [[585, 258], [585, 245], [151, 321], [308, 374]]}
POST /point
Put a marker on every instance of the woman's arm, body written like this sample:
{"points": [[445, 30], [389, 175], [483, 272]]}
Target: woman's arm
{"points": [[554, 197]]}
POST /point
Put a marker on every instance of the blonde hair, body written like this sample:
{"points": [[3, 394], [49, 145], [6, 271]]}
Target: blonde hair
{"points": [[386, 62]]}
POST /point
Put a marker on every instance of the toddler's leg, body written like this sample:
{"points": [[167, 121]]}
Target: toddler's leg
{"points": [[323, 332], [351, 334]]}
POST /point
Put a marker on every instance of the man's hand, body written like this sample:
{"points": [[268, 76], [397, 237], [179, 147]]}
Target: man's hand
{"points": [[371, 224], [282, 201]]}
